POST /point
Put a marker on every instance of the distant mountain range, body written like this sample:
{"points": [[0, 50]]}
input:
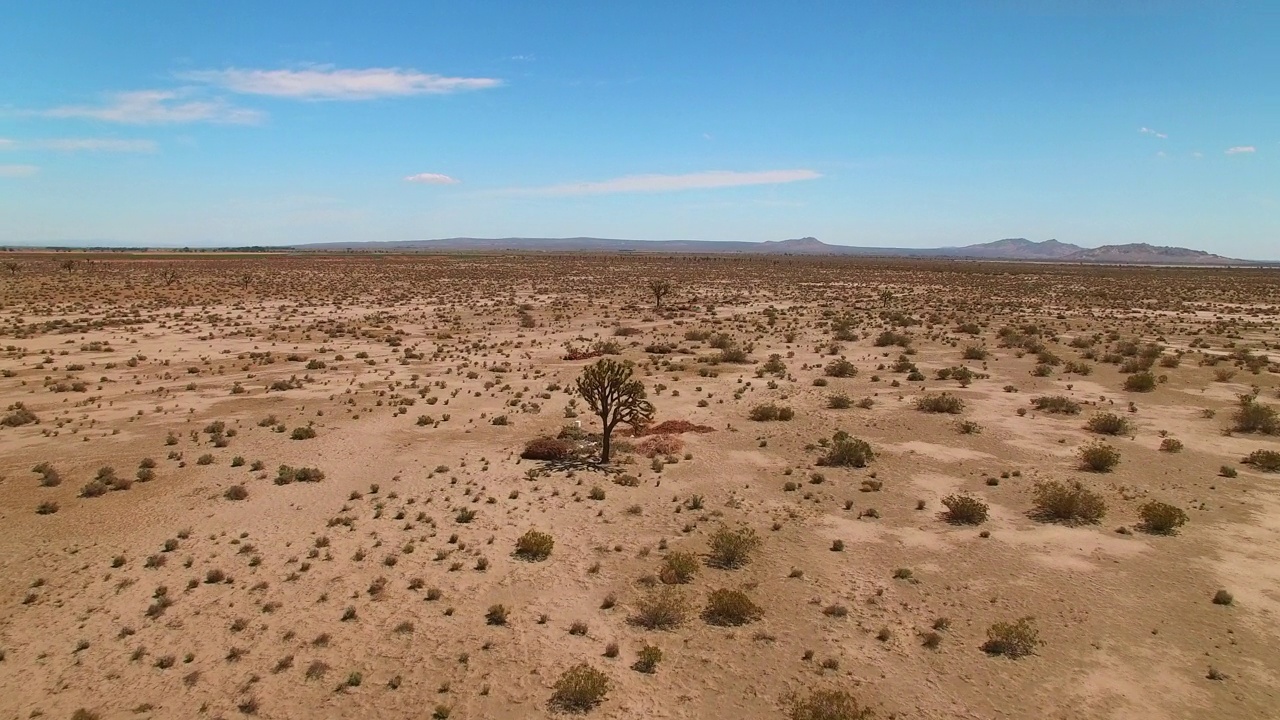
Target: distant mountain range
{"points": [[1008, 249]]}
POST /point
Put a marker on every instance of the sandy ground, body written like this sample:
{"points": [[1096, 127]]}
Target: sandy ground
{"points": [[402, 364]]}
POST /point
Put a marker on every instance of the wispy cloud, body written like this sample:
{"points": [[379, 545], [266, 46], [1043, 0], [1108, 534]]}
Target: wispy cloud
{"points": [[328, 83], [7, 144], [95, 145], [159, 107], [431, 179], [1237, 150], [1153, 133], [674, 183], [18, 170]]}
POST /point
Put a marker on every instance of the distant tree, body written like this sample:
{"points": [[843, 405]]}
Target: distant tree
{"points": [[615, 397], [67, 264], [12, 266], [660, 289], [168, 274]]}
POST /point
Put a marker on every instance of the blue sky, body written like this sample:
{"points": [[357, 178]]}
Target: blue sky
{"points": [[929, 122]]}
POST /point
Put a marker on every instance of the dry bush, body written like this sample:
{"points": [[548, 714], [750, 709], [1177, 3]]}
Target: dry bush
{"points": [[1106, 423], [1266, 460], [650, 656], [940, 403], [236, 492], [829, 705], [1140, 382], [965, 510], [286, 474], [547, 448], [534, 546], [580, 688], [1161, 518], [1099, 457], [1013, 640], [1056, 404], [771, 412], [732, 548], [840, 368], [678, 568], [663, 608], [1070, 503], [839, 401], [18, 416], [660, 445], [1253, 417], [847, 451], [730, 607]]}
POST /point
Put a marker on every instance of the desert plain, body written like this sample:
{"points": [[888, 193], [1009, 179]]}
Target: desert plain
{"points": [[296, 486]]}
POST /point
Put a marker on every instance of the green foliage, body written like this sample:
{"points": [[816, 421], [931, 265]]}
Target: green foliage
{"points": [[534, 546], [1099, 457], [829, 705], [1013, 640], [1106, 423], [678, 568], [1161, 518], [650, 656], [840, 368], [730, 607], [965, 510], [1140, 382], [1268, 460], [1252, 416], [733, 548], [1056, 404], [940, 403], [1070, 503], [847, 451], [663, 608], [771, 412], [615, 397], [580, 688]]}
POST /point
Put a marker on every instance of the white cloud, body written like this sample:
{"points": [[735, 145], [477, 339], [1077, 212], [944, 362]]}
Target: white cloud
{"points": [[673, 183], [1241, 149], [7, 144], [1149, 131], [431, 179], [1197, 154], [327, 83], [159, 107], [96, 145], [18, 170]]}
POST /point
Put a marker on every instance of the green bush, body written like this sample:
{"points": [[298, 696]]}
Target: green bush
{"points": [[829, 705], [1267, 460], [1056, 404], [1106, 423], [661, 609], [1071, 503], [839, 401], [1099, 457], [940, 403], [1140, 382], [650, 656], [770, 412], [678, 568], [840, 368], [534, 546], [733, 548], [1013, 640], [730, 607], [847, 451], [580, 688], [965, 510], [1161, 518], [1254, 417]]}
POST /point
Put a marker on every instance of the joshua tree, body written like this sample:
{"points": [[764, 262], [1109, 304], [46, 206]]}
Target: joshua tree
{"points": [[660, 289], [615, 397]]}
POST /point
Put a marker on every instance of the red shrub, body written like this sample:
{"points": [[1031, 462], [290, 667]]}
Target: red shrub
{"points": [[547, 448]]}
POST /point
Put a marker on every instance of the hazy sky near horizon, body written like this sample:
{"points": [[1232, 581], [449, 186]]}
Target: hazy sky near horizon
{"points": [[922, 123]]}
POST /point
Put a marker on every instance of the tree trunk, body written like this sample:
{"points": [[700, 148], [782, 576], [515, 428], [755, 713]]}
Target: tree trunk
{"points": [[604, 445]]}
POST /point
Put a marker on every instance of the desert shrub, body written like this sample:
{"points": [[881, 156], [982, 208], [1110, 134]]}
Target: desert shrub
{"points": [[1171, 445], [650, 656], [1222, 597], [662, 444], [663, 608], [49, 476], [940, 403], [1013, 639], [534, 545], [1253, 417], [889, 337], [18, 416], [547, 448], [1161, 518], [1106, 423], [829, 705], [286, 474], [732, 548], [580, 688], [1057, 501], [47, 507], [847, 451], [1099, 457], [236, 492], [678, 568], [496, 615], [303, 433], [840, 368], [1140, 382], [839, 401], [94, 488], [730, 607], [968, 427], [770, 412], [1056, 404], [1268, 460], [965, 510]]}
